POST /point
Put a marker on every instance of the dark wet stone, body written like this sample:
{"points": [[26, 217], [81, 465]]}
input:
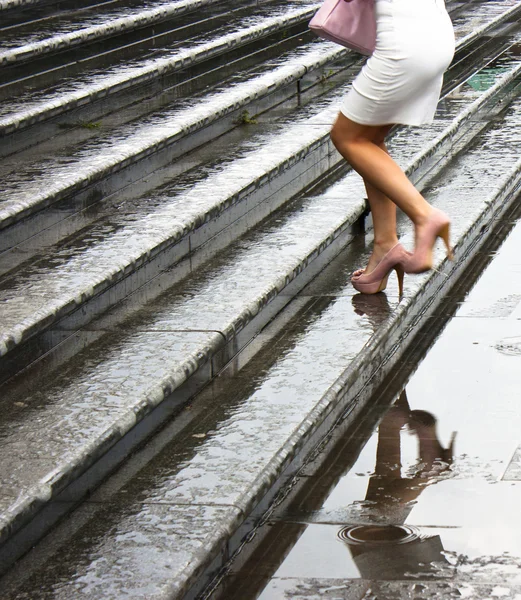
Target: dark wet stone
{"points": [[127, 550], [90, 25]]}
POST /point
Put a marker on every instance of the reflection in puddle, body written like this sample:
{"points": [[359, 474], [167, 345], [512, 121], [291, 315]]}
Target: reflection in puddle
{"points": [[395, 551], [375, 307], [387, 488], [392, 552]]}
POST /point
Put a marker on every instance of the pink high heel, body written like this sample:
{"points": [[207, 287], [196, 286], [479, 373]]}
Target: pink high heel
{"points": [[437, 226], [376, 280]]}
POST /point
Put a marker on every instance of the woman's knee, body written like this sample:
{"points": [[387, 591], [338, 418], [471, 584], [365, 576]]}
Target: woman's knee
{"points": [[347, 136], [338, 136], [346, 142]]}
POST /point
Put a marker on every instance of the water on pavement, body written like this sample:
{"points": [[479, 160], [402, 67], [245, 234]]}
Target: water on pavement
{"points": [[424, 499]]}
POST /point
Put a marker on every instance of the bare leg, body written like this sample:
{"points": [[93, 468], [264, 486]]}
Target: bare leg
{"points": [[383, 211], [360, 145]]}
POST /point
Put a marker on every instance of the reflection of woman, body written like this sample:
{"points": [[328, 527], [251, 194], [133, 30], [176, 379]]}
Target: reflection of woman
{"points": [[390, 551], [387, 488], [400, 83]]}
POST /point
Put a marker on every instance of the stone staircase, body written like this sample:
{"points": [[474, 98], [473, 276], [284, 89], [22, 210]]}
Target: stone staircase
{"points": [[170, 196]]}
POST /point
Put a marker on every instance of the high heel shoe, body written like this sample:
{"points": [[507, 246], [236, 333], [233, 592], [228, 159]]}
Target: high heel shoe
{"points": [[376, 280], [434, 458], [437, 226]]}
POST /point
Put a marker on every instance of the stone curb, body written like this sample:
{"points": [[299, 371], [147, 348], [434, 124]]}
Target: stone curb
{"points": [[60, 307], [99, 32], [27, 506]]}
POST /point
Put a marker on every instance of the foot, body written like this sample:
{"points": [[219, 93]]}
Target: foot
{"points": [[428, 228], [373, 281]]}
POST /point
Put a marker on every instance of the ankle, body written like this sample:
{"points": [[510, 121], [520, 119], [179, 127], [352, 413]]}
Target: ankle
{"points": [[423, 216], [384, 245]]}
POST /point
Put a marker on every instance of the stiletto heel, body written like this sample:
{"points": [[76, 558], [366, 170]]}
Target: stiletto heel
{"points": [[444, 234], [437, 226], [376, 281], [400, 275]]}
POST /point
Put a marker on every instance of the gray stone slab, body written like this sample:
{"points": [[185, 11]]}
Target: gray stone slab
{"points": [[129, 550], [472, 25], [76, 416], [292, 241], [207, 463], [14, 4], [235, 287]]}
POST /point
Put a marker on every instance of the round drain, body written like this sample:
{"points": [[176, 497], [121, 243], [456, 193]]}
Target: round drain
{"points": [[378, 534]]}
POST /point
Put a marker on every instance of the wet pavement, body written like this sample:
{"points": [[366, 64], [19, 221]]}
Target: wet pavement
{"points": [[426, 504], [176, 511]]}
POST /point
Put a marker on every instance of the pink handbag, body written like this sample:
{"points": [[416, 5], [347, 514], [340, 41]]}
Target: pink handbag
{"points": [[350, 23]]}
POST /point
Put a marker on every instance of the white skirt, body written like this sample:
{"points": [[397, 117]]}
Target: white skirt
{"points": [[401, 82]]}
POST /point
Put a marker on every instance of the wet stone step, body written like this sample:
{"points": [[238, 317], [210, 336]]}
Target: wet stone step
{"points": [[28, 198], [30, 108], [193, 481], [32, 187], [129, 247], [34, 107], [470, 19], [48, 70], [54, 37], [197, 193], [10, 6], [72, 221], [133, 357], [16, 13]]}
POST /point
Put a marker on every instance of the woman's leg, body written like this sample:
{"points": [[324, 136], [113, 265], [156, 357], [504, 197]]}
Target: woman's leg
{"points": [[361, 146], [383, 211]]}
